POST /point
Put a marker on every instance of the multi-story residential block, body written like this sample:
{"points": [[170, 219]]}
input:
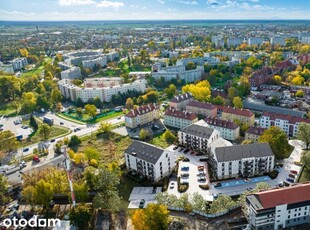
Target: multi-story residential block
{"points": [[100, 61], [255, 41], [253, 133], [148, 160], [142, 115], [19, 63], [199, 61], [179, 102], [233, 41], [279, 208], [179, 119], [228, 130], [206, 109], [245, 116], [242, 160], [218, 41], [289, 124], [95, 88], [277, 41], [261, 77], [72, 73], [198, 137], [7, 68]]}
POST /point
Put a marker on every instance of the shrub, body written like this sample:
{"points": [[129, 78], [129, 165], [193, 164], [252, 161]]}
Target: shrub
{"points": [[183, 187], [273, 174], [204, 186]]}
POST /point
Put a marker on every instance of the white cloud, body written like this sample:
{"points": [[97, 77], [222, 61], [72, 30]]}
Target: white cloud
{"points": [[187, 2], [161, 1], [76, 2], [110, 4]]}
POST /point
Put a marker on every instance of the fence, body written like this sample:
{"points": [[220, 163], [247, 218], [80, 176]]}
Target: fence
{"points": [[206, 214]]}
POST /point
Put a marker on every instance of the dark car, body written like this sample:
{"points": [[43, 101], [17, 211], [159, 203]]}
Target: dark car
{"points": [[176, 147], [292, 176], [184, 175], [290, 180], [25, 149], [186, 150], [201, 179], [293, 171], [53, 140], [141, 204], [61, 123], [185, 168]]}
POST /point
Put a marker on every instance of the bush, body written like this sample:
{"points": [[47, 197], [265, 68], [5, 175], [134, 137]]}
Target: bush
{"points": [[183, 187], [204, 186], [273, 174]]}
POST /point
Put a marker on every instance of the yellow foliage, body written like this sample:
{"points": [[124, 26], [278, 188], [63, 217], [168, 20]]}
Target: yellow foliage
{"points": [[24, 52], [138, 219], [79, 158], [200, 91], [299, 80]]}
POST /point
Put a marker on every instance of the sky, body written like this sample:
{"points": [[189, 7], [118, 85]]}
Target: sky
{"points": [[71, 10]]}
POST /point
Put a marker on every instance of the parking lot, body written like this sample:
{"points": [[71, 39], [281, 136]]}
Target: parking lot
{"points": [[142, 196], [15, 126]]}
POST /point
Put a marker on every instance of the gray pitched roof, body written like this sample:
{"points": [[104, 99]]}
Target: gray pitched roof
{"points": [[198, 130], [238, 152], [145, 151]]}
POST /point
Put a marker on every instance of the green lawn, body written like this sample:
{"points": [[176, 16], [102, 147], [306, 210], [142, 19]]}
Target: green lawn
{"points": [[37, 71], [7, 109], [305, 176], [86, 117], [160, 141], [55, 132], [116, 114]]}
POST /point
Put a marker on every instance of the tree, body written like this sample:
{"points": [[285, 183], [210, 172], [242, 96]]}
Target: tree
{"points": [[79, 112], [74, 141], [29, 102], [33, 123], [303, 133], [247, 142], [105, 127], [305, 159], [200, 91], [23, 52], [43, 193], [106, 183], [169, 137], [79, 102], [277, 140], [91, 154], [238, 102], [218, 100], [170, 91], [190, 66], [277, 79], [80, 216], [8, 141], [198, 202], [222, 203], [97, 102], [3, 190], [44, 131], [55, 96], [144, 134], [155, 216], [300, 93], [232, 93], [129, 103], [90, 110]]}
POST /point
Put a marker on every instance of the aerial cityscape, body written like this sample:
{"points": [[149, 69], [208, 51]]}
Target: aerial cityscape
{"points": [[163, 114]]}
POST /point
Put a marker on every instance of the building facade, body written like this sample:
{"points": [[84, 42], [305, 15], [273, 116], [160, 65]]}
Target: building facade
{"points": [[279, 208], [242, 160], [198, 137], [228, 130], [253, 133], [206, 109], [141, 116], [289, 124], [72, 73], [148, 160], [179, 102], [245, 116], [19, 63], [179, 119]]}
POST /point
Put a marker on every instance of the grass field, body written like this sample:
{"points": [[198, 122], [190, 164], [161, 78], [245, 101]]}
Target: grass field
{"points": [[160, 141], [305, 175], [7, 109], [86, 117], [37, 71]]}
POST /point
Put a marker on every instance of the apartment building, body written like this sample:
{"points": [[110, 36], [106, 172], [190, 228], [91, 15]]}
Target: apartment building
{"points": [[253, 133], [141, 115], [261, 77], [7, 68], [101, 61], [198, 137], [242, 160], [277, 41], [93, 88], [179, 102], [19, 63], [233, 41], [206, 109], [218, 41], [228, 130], [72, 73], [179, 119], [279, 208], [245, 116], [255, 41], [148, 160], [289, 124]]}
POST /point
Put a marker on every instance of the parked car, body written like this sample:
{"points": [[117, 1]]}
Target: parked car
{"points": [[185, 168], [290, 180], [293, 171], [172, 185], [201, 179], [22, 164], [61, 123], [53, 140], [201, 174], [175, 148], [186, 150], [184, 175], [141, 204], [25, 149], [291, 176], [36, 158]]}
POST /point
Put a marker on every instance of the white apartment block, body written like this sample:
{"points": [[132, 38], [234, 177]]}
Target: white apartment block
{"points": [[141, 116], [198, 137], [72, 73], [255, 41], [279, 208], [242, 160], [179, 119], [218, 41], [103, 91], [232, 41], [277, 41], [7, 68], [228, 130], [19, 63], [288, 124], [101, 61], [179, 102], [148, 160]]}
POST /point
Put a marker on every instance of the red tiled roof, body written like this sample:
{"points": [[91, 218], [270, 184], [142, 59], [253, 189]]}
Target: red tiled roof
{"points": [[255, 130], [290, 119], [180, 114], [221, 123], [288, 195], [141, 110], [220, 107], [237, 111], [203, 105]]}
